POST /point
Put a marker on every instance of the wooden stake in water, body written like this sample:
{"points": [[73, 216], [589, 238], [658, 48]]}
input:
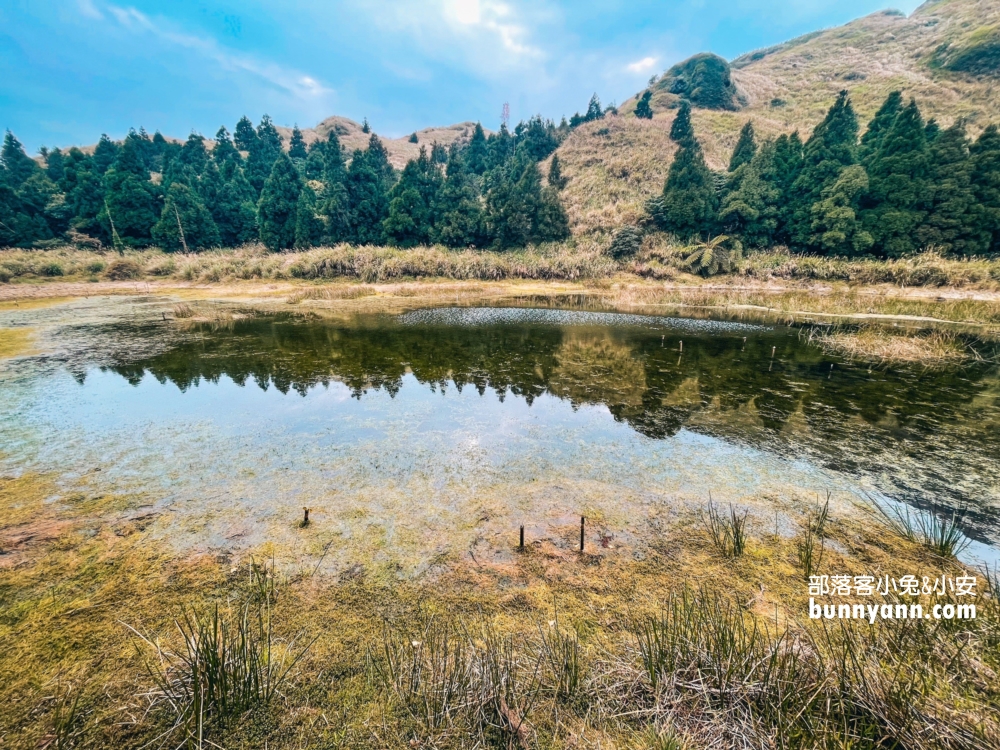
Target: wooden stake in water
{"points": [[744, 344], [305, 516], [682, 346], [583, 520], [521, 546]]}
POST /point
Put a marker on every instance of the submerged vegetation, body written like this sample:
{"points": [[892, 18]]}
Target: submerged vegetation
{"points": [[553, 649]]}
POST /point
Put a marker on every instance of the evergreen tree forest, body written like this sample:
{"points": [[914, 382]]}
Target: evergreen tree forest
{"points": [[146, 190], [899, 187]]}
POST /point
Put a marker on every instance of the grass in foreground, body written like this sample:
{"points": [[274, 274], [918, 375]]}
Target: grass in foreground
{"points": [[686, 647]]}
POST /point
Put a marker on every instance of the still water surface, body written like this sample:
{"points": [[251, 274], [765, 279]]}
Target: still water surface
{"points": [[436, 432]]}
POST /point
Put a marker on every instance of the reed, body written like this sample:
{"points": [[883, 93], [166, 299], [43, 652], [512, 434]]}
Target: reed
{"points": [[935, 529], [728, 533]]}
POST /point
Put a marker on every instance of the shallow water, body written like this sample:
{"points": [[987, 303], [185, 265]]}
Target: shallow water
{"points": [[416, 437]]}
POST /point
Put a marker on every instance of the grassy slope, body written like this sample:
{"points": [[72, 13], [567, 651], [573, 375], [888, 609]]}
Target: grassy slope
{"points": [[611, 176]]}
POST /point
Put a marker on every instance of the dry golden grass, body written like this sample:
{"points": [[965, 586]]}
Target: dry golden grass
{"points": [[880, 346]]}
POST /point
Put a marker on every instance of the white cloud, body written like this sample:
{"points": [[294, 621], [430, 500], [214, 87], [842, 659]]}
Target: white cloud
{"points": [[642, 66], [293, 82], [88, 9]]}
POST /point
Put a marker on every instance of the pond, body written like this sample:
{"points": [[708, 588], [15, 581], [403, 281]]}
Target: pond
{"points": [[437, 432]]}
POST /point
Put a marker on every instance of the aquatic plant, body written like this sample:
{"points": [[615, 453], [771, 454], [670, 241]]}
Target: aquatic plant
{"points": [[935, 529], [728, 534]]}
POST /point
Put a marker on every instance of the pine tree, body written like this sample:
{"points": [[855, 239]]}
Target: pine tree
{"points": [[689, 204], [536, 138], [194, 154], [55, 165], [368, 181], [458, 212], [308, 224], [104, 154], [880, 124], [315, 161], [129, 207], [277, 210], [365, 127], [986, 184], [414, 139], [787, 166], [264, 151], [518, 211], [335, 208], [42, 200], [411, 203], [642, 109], [224, 149], [297, 145], [830, 149], [86, 198], [837, 229], [745, 149], [236, 213], [500, 146], [752, 210], [17, 166], [594, 111], [681, 130], [439, 154], [896, 201], [477, 153], [951, 219], [209, 186], [245, 137], [556, 179], [131, 159], [185, 224]]}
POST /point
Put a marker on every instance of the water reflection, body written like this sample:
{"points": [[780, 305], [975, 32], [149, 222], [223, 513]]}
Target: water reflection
{"points": [[926, 437]]}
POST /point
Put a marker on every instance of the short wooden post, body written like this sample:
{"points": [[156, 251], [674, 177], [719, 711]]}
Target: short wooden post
{"points": [[583, 520], [305, 516], [682, 346], [521, 545]]}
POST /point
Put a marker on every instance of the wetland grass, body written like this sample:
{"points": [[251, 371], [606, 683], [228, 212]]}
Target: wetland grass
{"points": [[935, 529], [728, 533]]}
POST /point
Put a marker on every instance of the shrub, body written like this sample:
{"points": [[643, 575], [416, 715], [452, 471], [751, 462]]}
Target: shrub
{"points": [[626, 242], [123, 269], [95, 266], [50, 269]]}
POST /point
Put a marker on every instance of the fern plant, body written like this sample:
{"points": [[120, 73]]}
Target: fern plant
{"points": [[718, 254]]}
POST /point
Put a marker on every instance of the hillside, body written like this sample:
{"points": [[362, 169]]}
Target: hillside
{"points": [[400, 149], [946, 55]]}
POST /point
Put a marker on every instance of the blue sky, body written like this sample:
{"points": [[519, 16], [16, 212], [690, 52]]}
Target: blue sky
{"points": [[72, 69]]}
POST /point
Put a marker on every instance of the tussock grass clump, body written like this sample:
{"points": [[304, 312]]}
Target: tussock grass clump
{"points": [[883, 346], [936, 529], [728, 533], [225, 666], [812, 545], [123, 269]]}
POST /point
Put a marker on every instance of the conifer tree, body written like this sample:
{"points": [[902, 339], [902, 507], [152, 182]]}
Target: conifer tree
{"points": [[458, 211], [315, 161], [837, 229], [17, 165], [365, 127], [297, 145], [642, 109], [556, 179], [745, 149], [879, 125], [752, 210], [689, 204], [477, 153], [193, 153], [500, 147], [308, 224], [439, 154], [830, 149], [368, 180], [55, 165], [787, 166], [412, 200], [129, 206], [277, 211], [131, 159], [518, 211], [224, 149], [681, 131], [594, 111], [86, 199], [414, 139], [950, 224], [336, 208], [236, 212], [245, 136], [897, 197], [931, 131], [264, 151], [986, 184], [104, 154], [185, 223], [209, 185]]}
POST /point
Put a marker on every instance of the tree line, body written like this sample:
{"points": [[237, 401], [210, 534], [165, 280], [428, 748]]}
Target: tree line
{"points": [[902, 186], [142, 191]]}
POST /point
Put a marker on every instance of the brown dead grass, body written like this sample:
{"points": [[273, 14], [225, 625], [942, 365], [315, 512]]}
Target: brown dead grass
{"points": [[880, 346]]}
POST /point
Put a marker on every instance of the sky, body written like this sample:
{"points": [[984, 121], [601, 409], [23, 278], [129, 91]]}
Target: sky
{"points": [[73, 69]]}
